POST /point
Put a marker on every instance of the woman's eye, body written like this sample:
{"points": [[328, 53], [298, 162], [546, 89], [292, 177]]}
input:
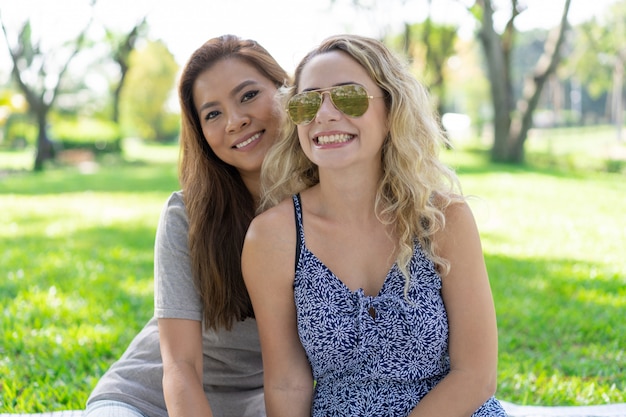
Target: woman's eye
{"points": [[250, 95], [211, 115]]}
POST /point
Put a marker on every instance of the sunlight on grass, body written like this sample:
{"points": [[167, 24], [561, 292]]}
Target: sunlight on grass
{"points": [[57, 215], [17, 160], [133, 150], [76, 275], [525, 208], [138, 150], [554, 246], [76, 265], [590, 147]]}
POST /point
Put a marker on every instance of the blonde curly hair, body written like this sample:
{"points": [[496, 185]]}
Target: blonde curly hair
{"points": [[415, 188]]}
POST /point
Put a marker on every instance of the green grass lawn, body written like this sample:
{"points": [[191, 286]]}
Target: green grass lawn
{"points": [[554, 246], [76, 275]]}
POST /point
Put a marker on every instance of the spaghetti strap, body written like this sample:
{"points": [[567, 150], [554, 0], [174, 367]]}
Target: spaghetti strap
{"points": [[297, 206]]}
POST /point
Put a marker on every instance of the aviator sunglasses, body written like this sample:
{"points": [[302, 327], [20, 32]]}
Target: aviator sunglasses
{"points": [[350, 99]]}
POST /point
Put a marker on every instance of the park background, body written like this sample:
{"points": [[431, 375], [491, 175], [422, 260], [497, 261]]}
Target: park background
{"points": [[88, 155]]}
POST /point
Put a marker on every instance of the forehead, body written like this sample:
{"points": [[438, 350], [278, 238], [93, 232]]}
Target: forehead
{"points": [[333, 68], [225, 75]]}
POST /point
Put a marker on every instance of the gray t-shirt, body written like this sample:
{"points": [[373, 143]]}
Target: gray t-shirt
{"points": [[233, 374]]}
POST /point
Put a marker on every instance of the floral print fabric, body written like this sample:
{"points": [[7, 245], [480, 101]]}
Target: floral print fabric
{"points": [[372, 356]]}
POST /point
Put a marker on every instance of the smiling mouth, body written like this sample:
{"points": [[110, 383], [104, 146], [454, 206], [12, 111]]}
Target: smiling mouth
{"points": [[325, 140], [247, 141]]}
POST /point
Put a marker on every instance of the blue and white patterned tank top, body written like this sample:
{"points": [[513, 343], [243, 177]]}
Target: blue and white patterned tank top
{"points": [[372, 356]]}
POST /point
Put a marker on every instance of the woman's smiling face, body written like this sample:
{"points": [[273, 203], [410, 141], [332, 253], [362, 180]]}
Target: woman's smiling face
{"points": [[332, 137], [236, 106]]}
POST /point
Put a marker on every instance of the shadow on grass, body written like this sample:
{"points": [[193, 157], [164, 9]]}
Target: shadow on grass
{"points": [[127, 177], [477, 161], [559, 318]]}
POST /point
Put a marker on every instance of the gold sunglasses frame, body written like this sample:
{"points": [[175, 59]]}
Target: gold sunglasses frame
{"points": [[328, 90]]}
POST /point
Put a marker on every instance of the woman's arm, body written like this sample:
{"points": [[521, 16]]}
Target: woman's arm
{"points": [[181, 351], [178, 309], [268, 261], [473, 343]]}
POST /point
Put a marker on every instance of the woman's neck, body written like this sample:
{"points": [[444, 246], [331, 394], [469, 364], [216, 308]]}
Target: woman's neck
{"points": [[348, 196], [253, 184]]}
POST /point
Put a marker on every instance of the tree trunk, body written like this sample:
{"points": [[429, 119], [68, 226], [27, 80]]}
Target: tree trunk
{"points": [[117, 93], [618, 112], [546, 66], [510, 133], [499, 79], [121, 55], [45, 149], [39, 95]]}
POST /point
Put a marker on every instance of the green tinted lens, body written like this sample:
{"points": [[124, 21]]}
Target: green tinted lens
{"points": [[303, 107], [351, 100]]}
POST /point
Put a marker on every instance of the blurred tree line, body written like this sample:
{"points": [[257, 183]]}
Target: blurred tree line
{"points": [[55, 101], [505, 80], [508, 81]]}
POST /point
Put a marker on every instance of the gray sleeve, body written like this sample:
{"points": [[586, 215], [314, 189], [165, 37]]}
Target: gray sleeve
{"points": [[175, 295]]}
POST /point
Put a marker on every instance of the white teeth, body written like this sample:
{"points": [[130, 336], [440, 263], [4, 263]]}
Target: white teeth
{"points": [[248, 141], [323, 140]]}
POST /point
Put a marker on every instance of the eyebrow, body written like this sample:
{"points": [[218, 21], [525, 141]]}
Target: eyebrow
{"points": [[241, 86]]}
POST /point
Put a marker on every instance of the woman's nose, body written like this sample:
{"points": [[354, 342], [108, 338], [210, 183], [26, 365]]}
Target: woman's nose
{"points": [[237, 121], [327, 110]]}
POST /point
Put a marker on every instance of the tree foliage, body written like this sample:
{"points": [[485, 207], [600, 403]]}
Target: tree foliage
{"points": [[148, 91], [599, 45], [122, 45], [600, 59], [42, 74], [429, 46], [512, 115]]}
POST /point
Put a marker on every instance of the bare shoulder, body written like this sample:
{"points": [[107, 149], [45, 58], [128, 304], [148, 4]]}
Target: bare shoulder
{"points": [[268, 256], [459, 229], [270, 241], [277, 222], [458, 213]]}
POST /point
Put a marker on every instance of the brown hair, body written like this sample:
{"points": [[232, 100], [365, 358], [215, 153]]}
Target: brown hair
{"points": [[219, 206]]}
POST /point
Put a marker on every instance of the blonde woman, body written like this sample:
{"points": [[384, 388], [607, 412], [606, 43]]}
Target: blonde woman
{"points": [[366, 272]]}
